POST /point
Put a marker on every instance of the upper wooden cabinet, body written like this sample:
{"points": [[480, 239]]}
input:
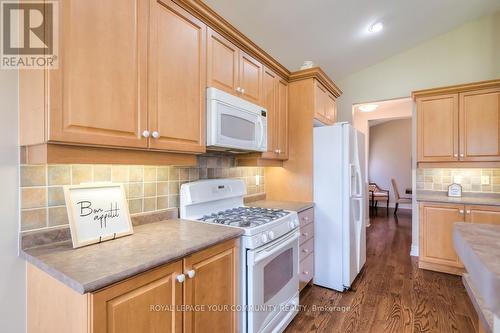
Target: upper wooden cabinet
{"points": [[325, 109], [437, 128], [275, 100], [177, 67], [480, 125], [232, 70], [98, 93], [459, 123]]}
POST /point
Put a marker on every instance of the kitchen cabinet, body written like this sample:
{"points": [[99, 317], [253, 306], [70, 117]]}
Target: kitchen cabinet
{"points": [[275, 100], [325, 104], [306, 247], [480, 125], [170, 298], [437, 128], [459, 125], [176, 79], [233, 70], [437, 251]]}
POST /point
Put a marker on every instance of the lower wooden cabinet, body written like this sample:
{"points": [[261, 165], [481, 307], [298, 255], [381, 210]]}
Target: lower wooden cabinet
{"points": [[437, 251], [194, 294], [306, 247]]}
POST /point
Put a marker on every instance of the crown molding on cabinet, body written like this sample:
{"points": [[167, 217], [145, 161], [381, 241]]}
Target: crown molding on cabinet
{"points": [[219, 24], [456, 88], [318, 74]]}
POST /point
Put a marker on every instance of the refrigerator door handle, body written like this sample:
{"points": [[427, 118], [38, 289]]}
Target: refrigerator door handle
{"points": [[355, 188]]}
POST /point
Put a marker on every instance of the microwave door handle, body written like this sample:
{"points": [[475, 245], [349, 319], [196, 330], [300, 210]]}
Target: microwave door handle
{"points": [[261, 126], [259, 256]]}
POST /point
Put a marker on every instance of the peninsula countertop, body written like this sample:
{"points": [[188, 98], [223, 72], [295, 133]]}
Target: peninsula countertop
{"points": [[96, 266], [478, 246], [295, 206], [490, 199]]}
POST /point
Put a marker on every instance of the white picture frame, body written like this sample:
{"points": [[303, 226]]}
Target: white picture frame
{"points": [[97, 212]]}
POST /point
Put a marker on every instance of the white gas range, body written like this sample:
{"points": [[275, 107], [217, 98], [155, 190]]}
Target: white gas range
{"points": [[269, 257]]}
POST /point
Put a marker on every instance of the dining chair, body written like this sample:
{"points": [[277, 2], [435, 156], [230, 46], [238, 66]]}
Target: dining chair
{"points": [[397, 197]]}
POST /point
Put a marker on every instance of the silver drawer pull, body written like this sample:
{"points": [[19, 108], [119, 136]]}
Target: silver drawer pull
{"points": [[305, 234], [305, 272], [305, 250]]}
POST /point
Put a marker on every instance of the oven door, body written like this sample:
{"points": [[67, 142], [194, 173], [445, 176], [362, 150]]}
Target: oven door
{"points": [[237, 128], [272, 279]]}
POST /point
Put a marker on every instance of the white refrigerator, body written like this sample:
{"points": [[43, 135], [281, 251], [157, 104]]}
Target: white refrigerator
{"points": [[339, 198]]}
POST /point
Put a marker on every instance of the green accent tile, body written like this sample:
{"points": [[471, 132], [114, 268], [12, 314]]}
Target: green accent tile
{"points": [[55, 196]]}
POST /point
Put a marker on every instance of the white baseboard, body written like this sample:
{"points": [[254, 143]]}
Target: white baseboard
{"points": [[414, 250]]}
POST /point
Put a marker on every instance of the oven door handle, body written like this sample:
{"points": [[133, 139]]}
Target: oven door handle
{"points": [[263, 254], [261, 126]]}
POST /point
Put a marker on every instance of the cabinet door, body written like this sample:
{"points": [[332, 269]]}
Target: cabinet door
{"points": [[480, 125], [222, 63], [177, 78], [331, 111], [97, 95], [282, 110], [436, 233], [213, 285], [270, 102], [250, 79], [437, 128], [320, 101], [482, 214], [146, 303]]}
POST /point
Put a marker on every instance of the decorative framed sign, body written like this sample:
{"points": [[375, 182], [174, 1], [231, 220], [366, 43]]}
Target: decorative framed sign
{"points": [[97, 212], [455, 190]]}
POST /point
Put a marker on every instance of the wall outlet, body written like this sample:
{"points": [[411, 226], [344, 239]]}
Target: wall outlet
{"points": [[485, 180]]}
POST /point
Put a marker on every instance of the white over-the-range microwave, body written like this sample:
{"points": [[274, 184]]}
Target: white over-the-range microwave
{"points": [[234, 123]]}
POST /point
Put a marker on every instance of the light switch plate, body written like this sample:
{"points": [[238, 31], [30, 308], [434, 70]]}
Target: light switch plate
{"points": [[485, 180]]}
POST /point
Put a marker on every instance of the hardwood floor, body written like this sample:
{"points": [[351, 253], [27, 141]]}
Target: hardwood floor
{"points": [[391, 294]]}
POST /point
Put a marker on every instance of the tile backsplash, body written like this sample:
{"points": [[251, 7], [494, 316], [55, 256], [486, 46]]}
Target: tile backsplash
{"points": [[472, 180], [148, 188]]}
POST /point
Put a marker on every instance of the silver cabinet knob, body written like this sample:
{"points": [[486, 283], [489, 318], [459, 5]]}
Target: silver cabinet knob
{"points": [[305, 234], [238, 89], [305, 250], [145, 134], [305, 272], [305, 218], [180, 278], [242, 90], [461, 211], [191, 273], [461, 155], [467, 211], [455, 155], [155, 135]]}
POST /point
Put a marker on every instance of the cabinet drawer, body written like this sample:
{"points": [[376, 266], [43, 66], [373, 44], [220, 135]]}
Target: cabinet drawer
{"points": [[306, 216], [306, 233], [306, 270], [306, 249]]}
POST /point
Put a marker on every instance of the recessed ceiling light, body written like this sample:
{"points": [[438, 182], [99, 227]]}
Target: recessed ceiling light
{"points": [[368, 107], [376, 27]]}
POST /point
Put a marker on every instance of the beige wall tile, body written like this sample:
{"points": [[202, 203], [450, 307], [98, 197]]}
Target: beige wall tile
{"points": [[55, 196], [119, 173], [173, 174], [135, 206], [33, 175], [183, 174], [33, 219], [162, 188], [173, 201], [136, 173], [149, 189], [194, 174], [58, 216], [162, 202], [59, 174], [149, 204], [135, 190], [81, 174], [33, 197], [162, 173], [102, 173], [149, 174], [173, 187]]}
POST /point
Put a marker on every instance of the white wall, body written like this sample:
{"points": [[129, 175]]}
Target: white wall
{"points": [[13, 276], [390, 155], [467, 54]]}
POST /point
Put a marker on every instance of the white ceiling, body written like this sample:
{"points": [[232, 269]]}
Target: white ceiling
{"points": [[332, 33]]}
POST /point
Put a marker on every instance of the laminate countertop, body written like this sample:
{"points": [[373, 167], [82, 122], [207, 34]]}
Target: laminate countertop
{"points": [[478, 246], [489, 199], [93, 267], [287, 205]]}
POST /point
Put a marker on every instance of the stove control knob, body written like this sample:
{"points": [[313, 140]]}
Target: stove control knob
{"points": [[264, 238], [271, 235]]}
